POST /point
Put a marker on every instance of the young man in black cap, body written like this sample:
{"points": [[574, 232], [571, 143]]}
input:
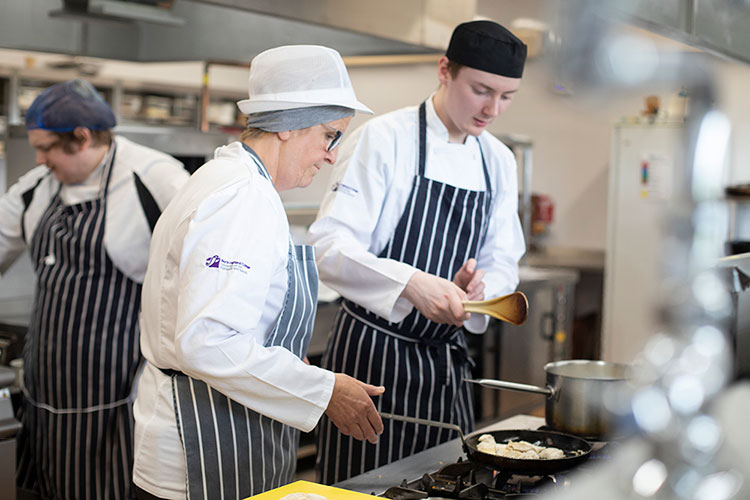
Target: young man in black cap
{"points": [[422, 215]]}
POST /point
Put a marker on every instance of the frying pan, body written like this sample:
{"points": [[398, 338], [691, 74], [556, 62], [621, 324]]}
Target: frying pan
{"points": [[576, 449]]}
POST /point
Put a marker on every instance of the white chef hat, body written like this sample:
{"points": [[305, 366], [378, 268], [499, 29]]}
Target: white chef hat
{"points": [[298, 76]]}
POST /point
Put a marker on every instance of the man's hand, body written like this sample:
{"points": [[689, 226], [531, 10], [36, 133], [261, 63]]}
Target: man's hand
{"points": [[436, 298], [469, 279], [351, 409]]}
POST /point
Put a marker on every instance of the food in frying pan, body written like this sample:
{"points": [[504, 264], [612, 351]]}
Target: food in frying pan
{"points": [[518, 449]]}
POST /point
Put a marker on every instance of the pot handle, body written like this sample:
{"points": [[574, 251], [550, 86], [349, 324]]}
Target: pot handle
{"points": [[513, 386], [421, 421]]}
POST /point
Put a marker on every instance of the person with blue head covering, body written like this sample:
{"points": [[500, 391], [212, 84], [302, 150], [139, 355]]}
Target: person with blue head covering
{"points": [[85, 214], [69, 105]]}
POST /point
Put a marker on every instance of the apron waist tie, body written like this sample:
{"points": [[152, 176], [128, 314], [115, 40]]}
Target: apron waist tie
{"points": [[450, 344], [71, 411], [170, 372]]}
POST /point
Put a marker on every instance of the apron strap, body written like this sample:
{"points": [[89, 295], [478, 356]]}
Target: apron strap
{"points": [[261, 166], [110, 168], [422, 138], [451, 342], [423, 149], [170, 372], [27, 196], [148, 203]]}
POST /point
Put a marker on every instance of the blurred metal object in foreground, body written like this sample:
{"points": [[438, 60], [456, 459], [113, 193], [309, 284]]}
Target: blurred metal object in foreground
{"points": [[688, 363]]}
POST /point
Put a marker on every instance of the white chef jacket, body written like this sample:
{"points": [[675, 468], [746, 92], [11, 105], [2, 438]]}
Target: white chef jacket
{"points": [[370, 186], [126, 229], [211, 323]]}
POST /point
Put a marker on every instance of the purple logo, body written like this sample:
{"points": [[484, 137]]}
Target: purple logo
{"points": [[343, 188], [217, 262]]}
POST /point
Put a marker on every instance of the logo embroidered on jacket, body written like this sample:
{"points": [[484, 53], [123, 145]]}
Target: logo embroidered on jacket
{"points": [[343, 188], [227, 265]]}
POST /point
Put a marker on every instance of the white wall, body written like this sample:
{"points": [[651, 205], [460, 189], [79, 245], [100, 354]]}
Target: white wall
{"points": [[570, 155], [572, 135], [572, 142], [734, 100]]}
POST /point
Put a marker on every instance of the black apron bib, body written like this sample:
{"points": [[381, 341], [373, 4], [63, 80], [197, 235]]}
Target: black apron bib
{"points": [[81, 358], [420, 363]]}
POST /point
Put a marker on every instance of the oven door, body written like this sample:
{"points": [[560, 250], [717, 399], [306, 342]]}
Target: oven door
{"points": [[737, 269], [9, 427]]}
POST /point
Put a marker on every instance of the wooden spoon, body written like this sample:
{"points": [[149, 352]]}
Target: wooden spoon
{"points": [[513, 308]]}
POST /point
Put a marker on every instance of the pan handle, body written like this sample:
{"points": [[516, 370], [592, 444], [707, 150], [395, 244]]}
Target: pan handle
{"points": [[513, 386], [413, 420]]}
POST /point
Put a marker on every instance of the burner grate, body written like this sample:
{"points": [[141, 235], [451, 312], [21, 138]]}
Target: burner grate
{"points": [[466, 480]]}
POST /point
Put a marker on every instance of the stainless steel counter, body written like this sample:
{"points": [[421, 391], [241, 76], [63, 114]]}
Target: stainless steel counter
{"points": [[17, 292], [413, 467], [571, 258], [531, 277]]}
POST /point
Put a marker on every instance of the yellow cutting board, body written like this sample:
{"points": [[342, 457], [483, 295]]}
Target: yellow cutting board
{"points": [[329, 492]]}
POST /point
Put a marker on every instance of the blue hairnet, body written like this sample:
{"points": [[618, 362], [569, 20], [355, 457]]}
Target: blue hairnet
{"points": [[67, 105]]}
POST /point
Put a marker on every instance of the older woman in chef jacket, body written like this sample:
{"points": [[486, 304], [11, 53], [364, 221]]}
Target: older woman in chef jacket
{"points": [[229, 302]]}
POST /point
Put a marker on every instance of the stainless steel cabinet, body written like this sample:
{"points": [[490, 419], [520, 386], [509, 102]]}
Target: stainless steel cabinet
{"points": [[519, 353]]}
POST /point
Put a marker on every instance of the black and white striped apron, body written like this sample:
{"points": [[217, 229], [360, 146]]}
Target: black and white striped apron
{"points": [[420, 363], [231, 451], [81, 357]]}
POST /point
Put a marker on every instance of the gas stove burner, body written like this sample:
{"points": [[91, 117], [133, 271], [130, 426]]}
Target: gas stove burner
{"points": [[468, 481], [403, 493]]}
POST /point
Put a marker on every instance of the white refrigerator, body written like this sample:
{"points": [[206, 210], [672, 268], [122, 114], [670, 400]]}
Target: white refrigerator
{"points": [[646, 167]]}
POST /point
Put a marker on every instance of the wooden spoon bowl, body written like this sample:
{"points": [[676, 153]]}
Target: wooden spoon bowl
{"points": [[513, 308]]}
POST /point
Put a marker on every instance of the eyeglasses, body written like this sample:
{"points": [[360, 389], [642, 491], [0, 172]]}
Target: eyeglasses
{"points": [[48, 147], [336, 140]]}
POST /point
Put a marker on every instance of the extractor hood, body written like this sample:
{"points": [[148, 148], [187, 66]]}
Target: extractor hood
{"points": [[227, 30], [716, 26], [427, 23], [151, 11]]}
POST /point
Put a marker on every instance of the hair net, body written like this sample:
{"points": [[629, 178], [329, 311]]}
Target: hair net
{"points": [[297, 119], [67, 105], [298, 76]]}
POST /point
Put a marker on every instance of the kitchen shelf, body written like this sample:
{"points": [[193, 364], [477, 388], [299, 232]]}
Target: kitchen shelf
{"points": [[135, 103]]}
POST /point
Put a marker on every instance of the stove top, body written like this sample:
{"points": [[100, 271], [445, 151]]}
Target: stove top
{"points": [[466, 480]]}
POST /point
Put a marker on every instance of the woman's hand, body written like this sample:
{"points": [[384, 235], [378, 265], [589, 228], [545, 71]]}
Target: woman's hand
{"points": [[436, 298], [351, 409]]}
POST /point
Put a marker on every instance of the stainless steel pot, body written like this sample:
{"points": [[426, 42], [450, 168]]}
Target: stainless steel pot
{"points": [[575, 395]]}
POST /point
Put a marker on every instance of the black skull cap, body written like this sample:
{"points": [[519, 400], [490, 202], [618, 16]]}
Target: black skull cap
{"points": [[487, 46]]}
